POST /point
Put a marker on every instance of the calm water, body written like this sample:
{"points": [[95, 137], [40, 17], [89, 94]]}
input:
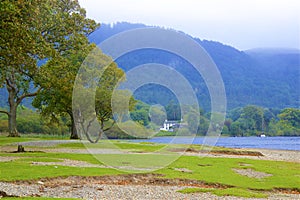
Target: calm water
{"points": [[284, 143]]}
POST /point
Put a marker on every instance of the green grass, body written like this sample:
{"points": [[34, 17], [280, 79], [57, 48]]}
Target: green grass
{"points": [[9, 140], [4, 140], [116, 144], [211, 170], [81, 157], [23, 170], [137, 162], [237, 192], [207, 169], [196, 190], [165, 134], [219, 170], [142, 147]]}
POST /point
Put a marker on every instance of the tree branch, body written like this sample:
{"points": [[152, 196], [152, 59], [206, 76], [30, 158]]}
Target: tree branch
{"points": [[106, 129], [4, 111], [19, 99], [8, 83]]}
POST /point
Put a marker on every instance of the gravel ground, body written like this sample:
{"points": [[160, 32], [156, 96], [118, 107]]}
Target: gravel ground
{"points": [[116, 192]]}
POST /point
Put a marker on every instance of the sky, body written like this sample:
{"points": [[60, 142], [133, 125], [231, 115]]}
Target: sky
{"points": [[243, 24]]}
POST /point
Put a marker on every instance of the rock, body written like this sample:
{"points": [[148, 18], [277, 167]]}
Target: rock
{"points": [[40, 182]]}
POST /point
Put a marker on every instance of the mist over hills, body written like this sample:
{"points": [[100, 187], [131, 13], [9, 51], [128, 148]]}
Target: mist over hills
{"points": [[263, 77]]}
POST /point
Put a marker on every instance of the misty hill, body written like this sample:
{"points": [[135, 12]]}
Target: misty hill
{"points": [[264, 77]]}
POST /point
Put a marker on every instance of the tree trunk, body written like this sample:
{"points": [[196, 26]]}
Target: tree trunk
{"points": [[12, 122], [14, 101], [12, 114], [74, 134]]}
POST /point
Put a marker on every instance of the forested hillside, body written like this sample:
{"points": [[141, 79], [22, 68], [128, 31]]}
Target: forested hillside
{"points": [[250, 77]]}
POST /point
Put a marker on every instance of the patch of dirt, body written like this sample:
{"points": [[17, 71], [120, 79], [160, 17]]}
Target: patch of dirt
{"points": [[128, 179], [237, 152], [7, 159], [185, 170], [204, 165], [220, 152], [135, 179], [69, 163], [287, 191], [244, 164], [251, 173]]}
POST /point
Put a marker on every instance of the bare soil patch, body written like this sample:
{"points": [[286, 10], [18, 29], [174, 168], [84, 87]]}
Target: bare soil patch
{"points": [[252, 173], [69, 163], [127, 179], [220, 152]]}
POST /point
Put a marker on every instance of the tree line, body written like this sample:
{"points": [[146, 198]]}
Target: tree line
{"points": [[44, 44], [250, 120]]}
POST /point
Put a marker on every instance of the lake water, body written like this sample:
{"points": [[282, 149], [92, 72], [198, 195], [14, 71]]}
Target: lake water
{"points": [[283, 143]]}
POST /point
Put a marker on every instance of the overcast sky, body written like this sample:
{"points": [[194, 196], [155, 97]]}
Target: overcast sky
{"points": [[244, 24]]}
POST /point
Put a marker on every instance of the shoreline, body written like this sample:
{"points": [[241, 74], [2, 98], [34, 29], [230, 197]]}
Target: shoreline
{"points": [[89, 188], [268, 154], [290, 143]]}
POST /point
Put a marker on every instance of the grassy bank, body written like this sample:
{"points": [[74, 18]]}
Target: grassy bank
{"points": [[227, 172]]}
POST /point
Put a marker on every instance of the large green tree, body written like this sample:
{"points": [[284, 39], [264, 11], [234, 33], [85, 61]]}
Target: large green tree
{"points": [[289, 123], [252, 119], [96, 96], [56, 82], [30, 32]]}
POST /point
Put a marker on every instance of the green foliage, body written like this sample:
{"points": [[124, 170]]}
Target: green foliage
{"points": [[157, 115], [254, 120], [173, 111], [140, 113], [165, 133], [289, 122], [29, 122], [33, 32], [104, 93]]}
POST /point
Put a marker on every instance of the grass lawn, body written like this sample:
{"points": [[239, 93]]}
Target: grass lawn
{"points": [[214, 170]]}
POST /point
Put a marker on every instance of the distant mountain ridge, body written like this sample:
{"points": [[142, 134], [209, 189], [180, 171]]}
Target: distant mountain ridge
{"points": [[263, 76]]}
